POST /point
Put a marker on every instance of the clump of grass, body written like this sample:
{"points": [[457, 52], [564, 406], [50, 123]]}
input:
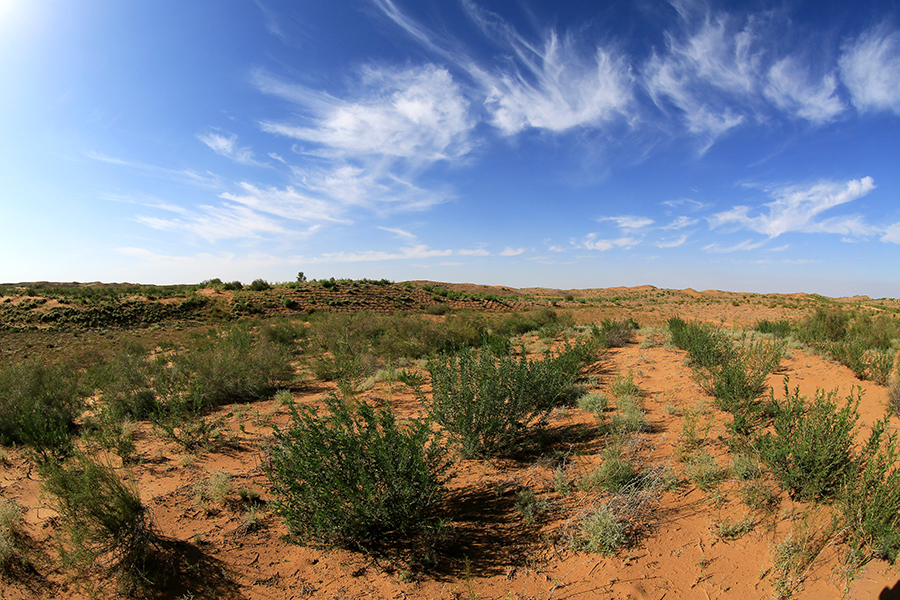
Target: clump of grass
{"points": [[760, 496], [629, 417], [744, 467], [530, 506], [624, 385], [613, 475], [216, 488], [729, 529], [596, 403], [283, 397], [601, 531], [701, 468], [10, 533]]}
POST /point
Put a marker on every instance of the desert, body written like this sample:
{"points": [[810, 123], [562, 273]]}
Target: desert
{"points": [[634, 481]]}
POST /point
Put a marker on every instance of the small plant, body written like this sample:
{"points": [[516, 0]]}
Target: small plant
{"points": [[355, 477], [10, 533], [760, 496], [624, 385], [629, 417], [601, 531], [894, 394], [613, 475], [283, 398], [562, 484], [617, 333], [530, 507], [701, 468], [728, 529], [216, 488], [596, 403]]}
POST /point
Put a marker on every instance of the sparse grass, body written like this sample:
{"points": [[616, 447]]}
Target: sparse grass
{"points": [[530, 506], [596, 403], [760, 496], [729, 529], [629, 416], [601, 532], [10, 533], [624, 385], [613, 475], [894, 394], [701, 468]]}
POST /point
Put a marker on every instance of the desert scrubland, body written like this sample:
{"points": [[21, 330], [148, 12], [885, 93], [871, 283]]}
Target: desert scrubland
{"points": [[372, 439]]}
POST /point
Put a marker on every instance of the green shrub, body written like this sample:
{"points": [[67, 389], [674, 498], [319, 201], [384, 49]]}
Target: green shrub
{"points": [[355, 477], [10, 533], [617, 333], [810, 448], [489, 401], [701, 468], [602, 532], [38, 407], [629, 417], [870, 500], [894, 394], [613, 475], [780, 329], [595, 403], [259, 285], [103, 521]]}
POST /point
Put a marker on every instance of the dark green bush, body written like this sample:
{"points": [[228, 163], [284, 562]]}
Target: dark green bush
{"points": [[39, 406], [810, 447], [779, 329], [491, 400], [259, 285], [355, 477]]}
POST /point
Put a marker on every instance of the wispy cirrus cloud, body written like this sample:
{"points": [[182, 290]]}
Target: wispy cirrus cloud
{"points": [[629, 221], [226, 145], [418, 114], [870, 68], [795, 208], [216, 223], [791, 89]]}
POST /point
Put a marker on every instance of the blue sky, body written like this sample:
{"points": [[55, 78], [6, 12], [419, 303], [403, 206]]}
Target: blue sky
{"points": [[747, 146]]}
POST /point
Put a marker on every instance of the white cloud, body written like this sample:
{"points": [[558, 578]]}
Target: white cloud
{"points": [[629, 221], [795, 209], [591, 242], [473, 252], [226, 145], [680, 223], [286, 203], [217, 223], [412, 252], [742, 246], [400, 233], [870, 68], [673, 242], [512, 251], [789, 88], [892, 234], [418, 114]]}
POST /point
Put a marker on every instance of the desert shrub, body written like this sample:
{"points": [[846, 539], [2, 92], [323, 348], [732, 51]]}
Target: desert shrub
{"points": [[490, 400], [355, 477], [894, 394], [824, 325], [730, 529], [780, 329], [705, 346], [10, 533], [601, 531], [615, 333], [38, 407], [235, 365], [259, 285], [437, 309], [870, 500], [810, 448], [289, 303], [233, 285], [530, 506], [284, 332], [103, 522]]}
